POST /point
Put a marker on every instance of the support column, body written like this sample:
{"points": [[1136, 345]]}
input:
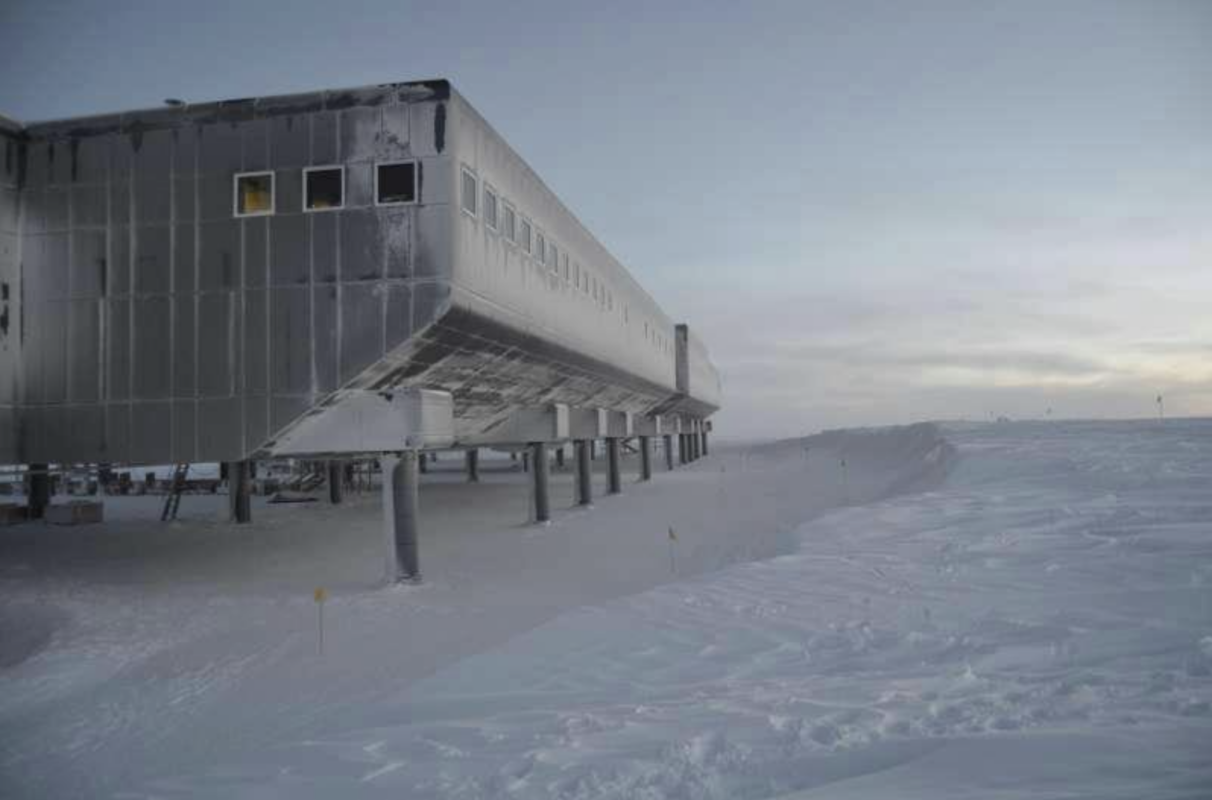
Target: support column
{"points": [[645, 459], [560, 456], [668, 445], [39, 490], [401, 477], [473, 465], [238, 492], [542, 505], [614, 483], [694, 444], [681, 448], [705, 451], [336, 482], [584, 484]]}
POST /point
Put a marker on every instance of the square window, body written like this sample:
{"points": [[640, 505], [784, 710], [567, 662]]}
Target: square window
{"points": [[254, 194], [323, 188], [470, 191], [490, 208], [396, 183], [511, 224]]}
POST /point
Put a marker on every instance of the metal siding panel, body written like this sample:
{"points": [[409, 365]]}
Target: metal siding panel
{"points": [[56, 436], [288, 190], [117, 338], [288, 141], [216, 196], [432, 242], [89, 263], [90, 160], [256, 342], [361, 129], [151, 433], [396, 131], [153, 347], [153, 266], [359, 184], [218, 265], [119, 199], [324, 251], [54, 351], [396, 229], [324, 338], [399, 314], [153, 197], [184, 259], [361, 245], [117, 432], [324, 138], [220, 429], [256, 236], [361, 328], [185, 150], [84, 348], [185, 418], [184, 199], [214, 345], [256, 422], [184, 361], [255, 136], [87, 424], [291, 261], [90, 206], [117, 268], [291, 332], [219, 149]]}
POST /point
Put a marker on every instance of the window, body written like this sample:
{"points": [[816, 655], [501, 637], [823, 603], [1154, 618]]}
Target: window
{"points": [[470, 191], [490, 207], [540, 247], [323, 188], [524, 235], [254, 194], [567, 275], [555, 256], [511, 224], [395, 183]]}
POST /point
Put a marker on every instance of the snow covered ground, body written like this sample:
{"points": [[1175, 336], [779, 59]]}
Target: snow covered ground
{"points": [[1029, 614]]}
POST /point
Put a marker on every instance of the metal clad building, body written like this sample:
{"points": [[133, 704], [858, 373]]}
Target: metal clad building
{"points": [[202, 283]]}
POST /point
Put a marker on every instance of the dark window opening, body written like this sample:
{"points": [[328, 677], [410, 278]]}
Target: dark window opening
{"points": [[324, 189], [396, 183]]}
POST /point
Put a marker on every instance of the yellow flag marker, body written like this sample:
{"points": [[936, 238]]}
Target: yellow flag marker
{"points": [[320, 596]]}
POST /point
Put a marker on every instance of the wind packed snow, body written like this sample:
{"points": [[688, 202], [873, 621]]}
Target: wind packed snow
{"points": [[983, 611]]}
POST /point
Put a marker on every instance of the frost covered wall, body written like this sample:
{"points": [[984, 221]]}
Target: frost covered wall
{"points": [[10, 287], [159, 326]]}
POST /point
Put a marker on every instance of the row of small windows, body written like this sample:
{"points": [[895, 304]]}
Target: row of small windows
{"points": [[324, 188], [500, 217]]}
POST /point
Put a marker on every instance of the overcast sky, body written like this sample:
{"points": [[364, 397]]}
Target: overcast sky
{"points": [[872, 212]]}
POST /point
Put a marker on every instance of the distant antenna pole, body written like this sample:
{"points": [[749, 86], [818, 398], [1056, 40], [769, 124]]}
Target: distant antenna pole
{"points": [[1161, 408]]}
